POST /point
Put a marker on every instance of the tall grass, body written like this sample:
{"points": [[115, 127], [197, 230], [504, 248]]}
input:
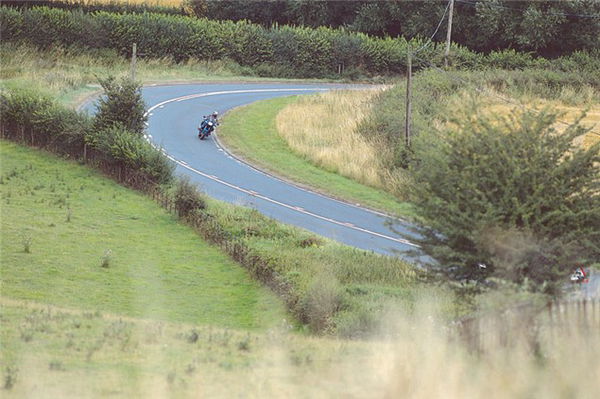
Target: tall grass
{"points": [[570, 103], [324, 129], [359, 134], [71, 353], [70, 74]]}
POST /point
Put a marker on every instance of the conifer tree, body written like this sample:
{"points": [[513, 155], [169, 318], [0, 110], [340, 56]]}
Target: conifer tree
{"points": [[513, 193]]}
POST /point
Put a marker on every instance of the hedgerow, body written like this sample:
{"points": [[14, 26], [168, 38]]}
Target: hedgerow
{"points": [[33, 119], [308, 52], [283, 51]]}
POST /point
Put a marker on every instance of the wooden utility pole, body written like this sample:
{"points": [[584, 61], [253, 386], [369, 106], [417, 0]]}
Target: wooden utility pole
{"points": [[448, 34], [408, 99], [133, 60]]}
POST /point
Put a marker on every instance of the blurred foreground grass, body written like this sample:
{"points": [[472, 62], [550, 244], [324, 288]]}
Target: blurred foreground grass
{"points": [[50, 352]]}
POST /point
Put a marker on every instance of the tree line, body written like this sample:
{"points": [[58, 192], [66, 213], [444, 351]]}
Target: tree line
{"points": [[546, 28], [279, 51]]}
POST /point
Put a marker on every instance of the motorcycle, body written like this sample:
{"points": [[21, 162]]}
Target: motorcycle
{"points": [[578, 276], [206, 128]]}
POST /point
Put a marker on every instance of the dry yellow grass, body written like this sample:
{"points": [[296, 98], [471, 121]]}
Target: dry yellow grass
{"points": [[322, 129], [74, 354], [568, 111]]}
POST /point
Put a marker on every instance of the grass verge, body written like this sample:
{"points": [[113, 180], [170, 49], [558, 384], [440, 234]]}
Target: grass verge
{"points": [[71, 237], [71, 75], [251, 133]]}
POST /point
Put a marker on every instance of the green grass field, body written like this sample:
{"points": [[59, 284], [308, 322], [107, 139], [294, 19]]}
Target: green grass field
{"points": [[52, 352], [250, 132], [71, 237]]}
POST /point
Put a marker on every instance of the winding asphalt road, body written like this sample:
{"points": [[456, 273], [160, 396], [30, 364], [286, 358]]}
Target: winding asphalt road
{"points": [[174, 113]]}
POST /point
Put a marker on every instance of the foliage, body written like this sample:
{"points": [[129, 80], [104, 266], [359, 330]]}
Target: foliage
{"points": [[547, 28], [123, 149], [121, 104], [187, 198], [37, 120], [28, 116], [511, 193], [283, 51], [121, 253]]}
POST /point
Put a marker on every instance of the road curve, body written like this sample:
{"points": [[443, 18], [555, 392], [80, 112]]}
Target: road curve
{"points": [[174, 113]]}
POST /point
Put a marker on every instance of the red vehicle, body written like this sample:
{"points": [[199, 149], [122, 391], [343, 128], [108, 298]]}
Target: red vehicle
{"points": [[579, 276]]}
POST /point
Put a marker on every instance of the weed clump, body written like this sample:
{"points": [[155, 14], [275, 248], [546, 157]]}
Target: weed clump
{"points": [[106, 259], [10, 377], [56, 365], [312, 241], [244, 345], [193, 336], [26, 241], [187, 198]]}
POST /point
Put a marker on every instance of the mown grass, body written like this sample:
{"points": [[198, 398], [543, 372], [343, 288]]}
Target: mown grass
{"points": [[108, 248], [251, 132], [71, 237]]}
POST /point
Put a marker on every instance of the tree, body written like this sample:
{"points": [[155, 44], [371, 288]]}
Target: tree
{"points": [[512, 193], [122, 104]]}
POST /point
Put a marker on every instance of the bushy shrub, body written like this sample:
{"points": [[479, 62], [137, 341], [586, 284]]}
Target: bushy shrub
{"points": [[121, 104], [11, 24], [509, 59], [124, 149], [588, 62], [509, 193], [322, 300], [37, 120], [187, 198]]}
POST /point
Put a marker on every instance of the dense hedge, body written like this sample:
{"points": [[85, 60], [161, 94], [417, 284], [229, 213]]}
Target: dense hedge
{"points": [[33, 119], [280, 51], [548, 28], [118, 6]]}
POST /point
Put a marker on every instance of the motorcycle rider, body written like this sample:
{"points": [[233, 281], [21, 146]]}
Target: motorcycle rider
{"points": [[208, 124], [214, 116], [210, 118]]}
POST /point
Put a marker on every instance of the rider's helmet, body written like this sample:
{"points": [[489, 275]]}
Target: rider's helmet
{"points": [[215, 114]]}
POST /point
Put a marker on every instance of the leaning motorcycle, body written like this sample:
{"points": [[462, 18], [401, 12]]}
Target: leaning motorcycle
{"points": [[205, 129]]}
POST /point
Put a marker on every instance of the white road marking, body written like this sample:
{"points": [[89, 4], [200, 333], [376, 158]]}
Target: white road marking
{"points": [[294, 208], [253, 193]]}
